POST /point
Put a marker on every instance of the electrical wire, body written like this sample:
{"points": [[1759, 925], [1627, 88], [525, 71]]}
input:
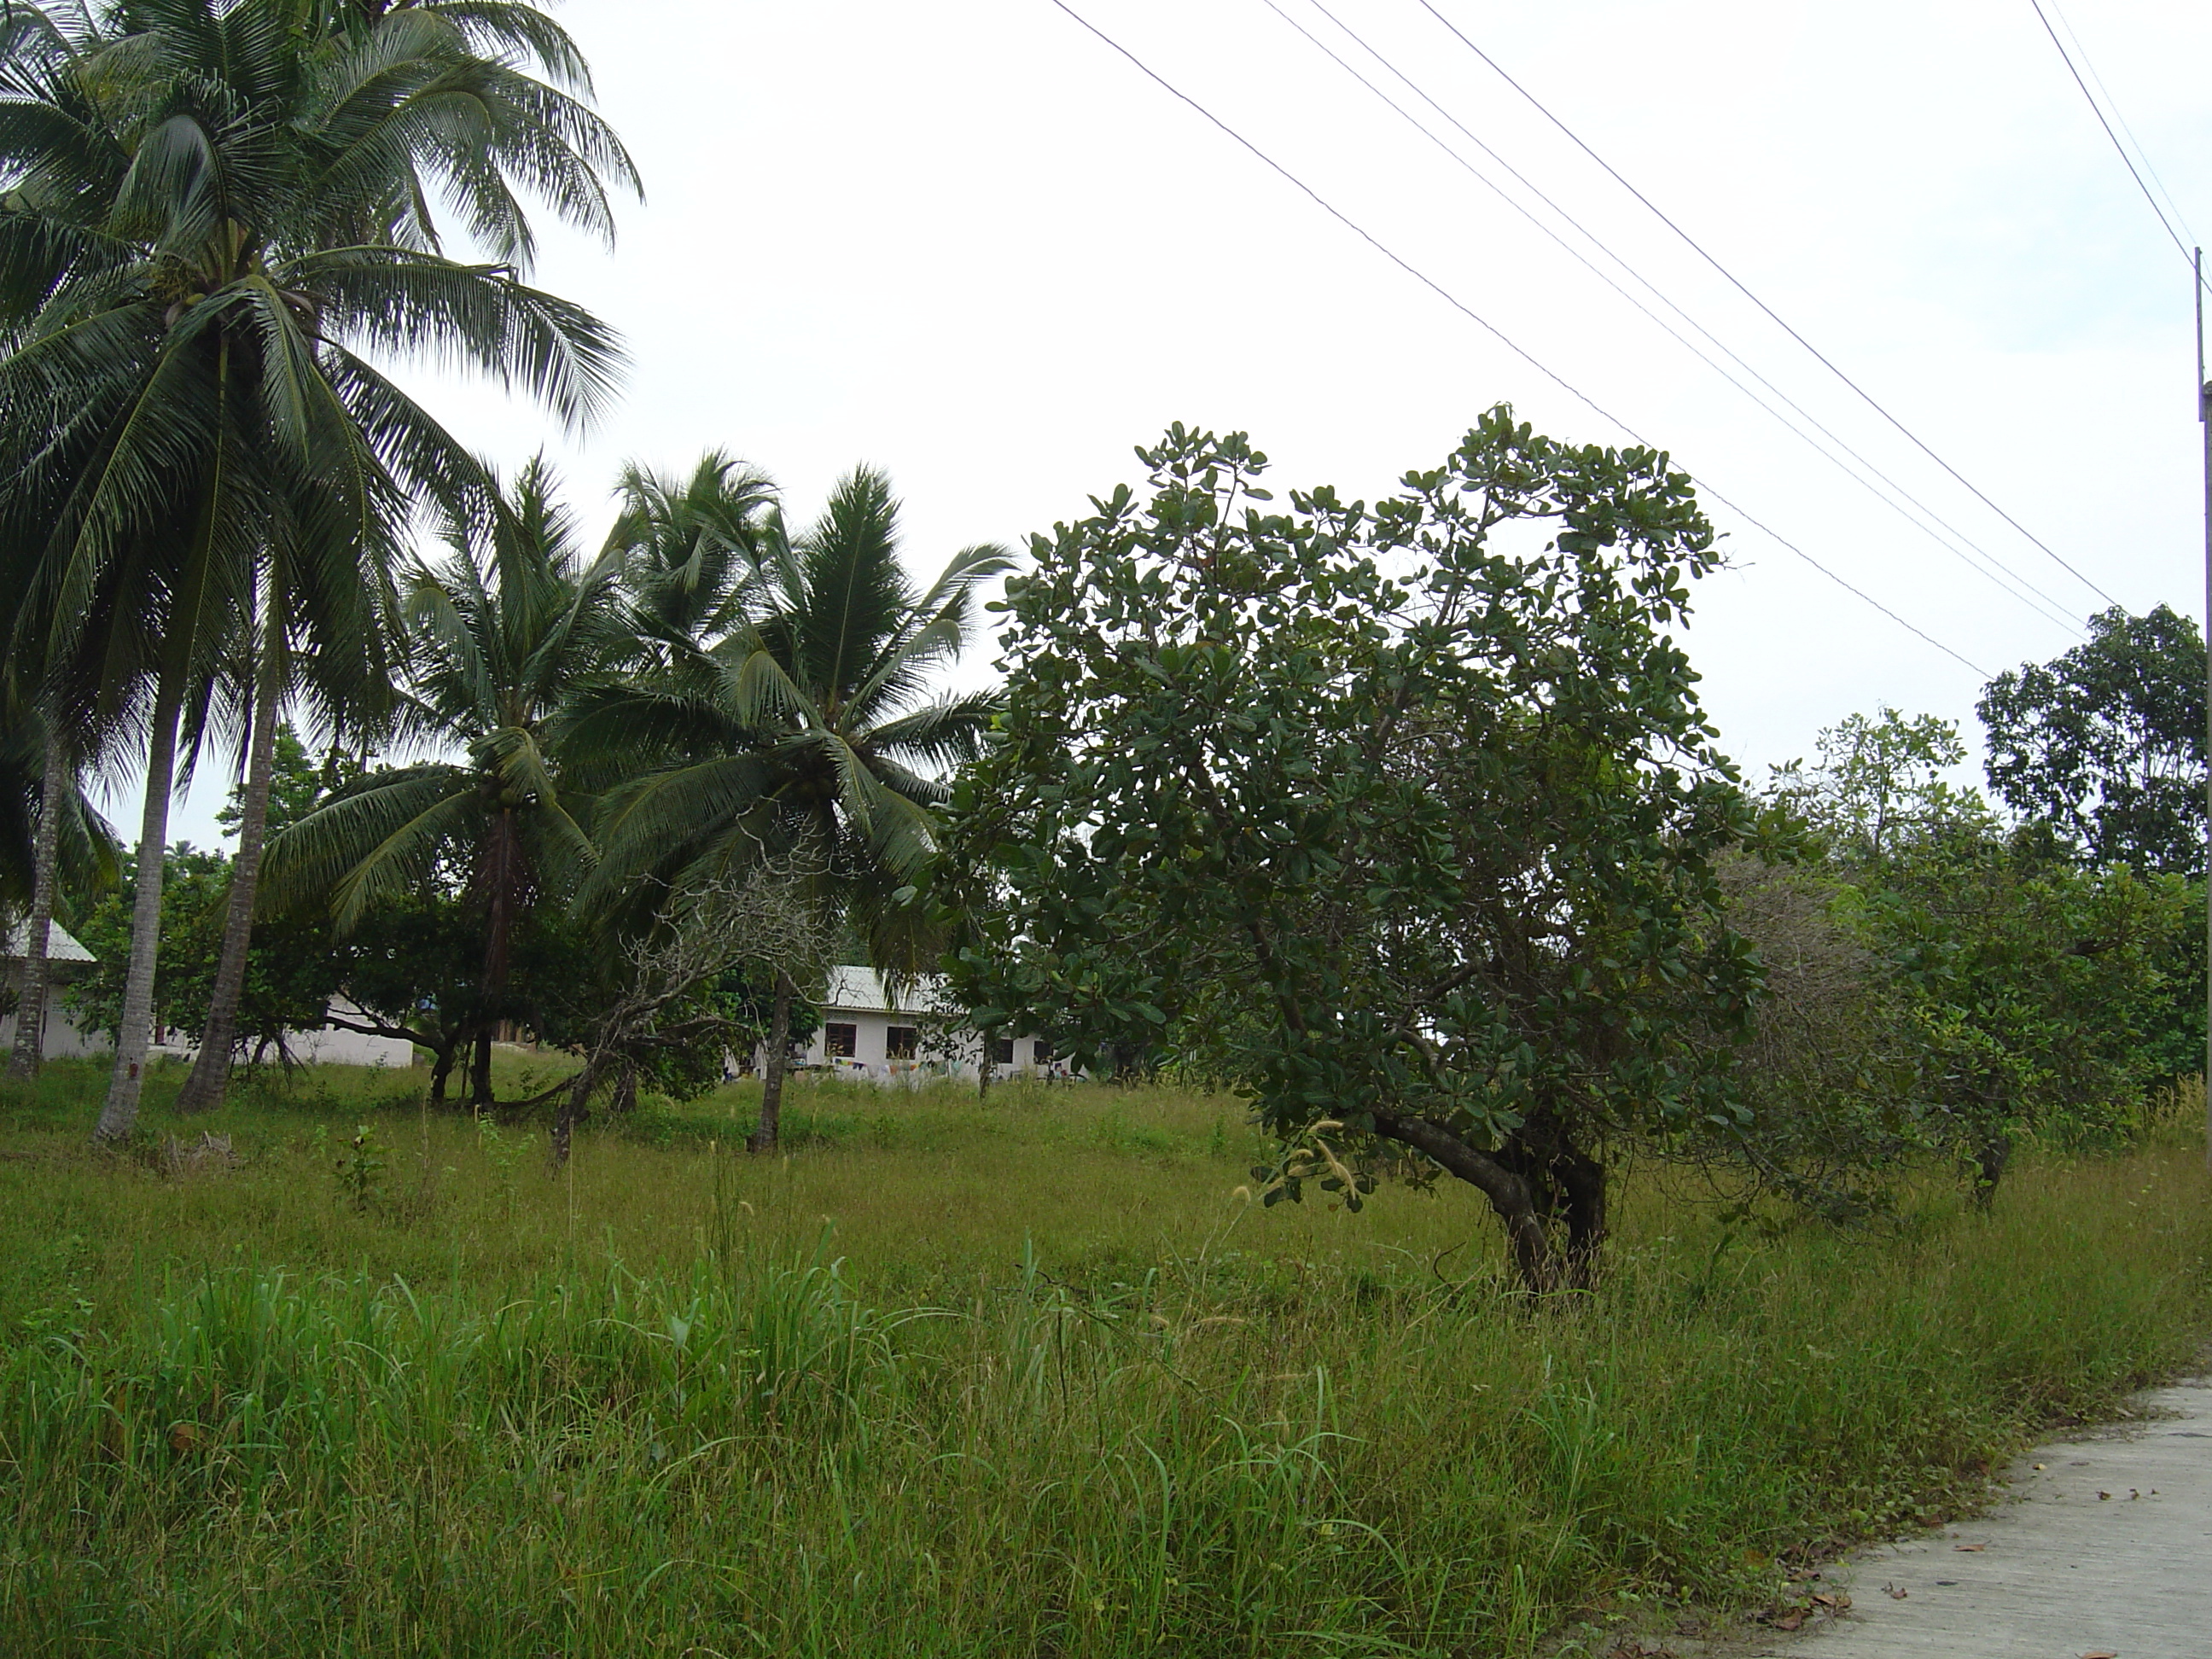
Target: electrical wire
{"points": [[1484, 323], [1990, 567], [2142, 154], [2097, 109], [1776, 317]]}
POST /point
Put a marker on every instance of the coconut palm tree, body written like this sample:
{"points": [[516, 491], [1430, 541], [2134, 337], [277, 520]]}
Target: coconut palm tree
{"points": [[686, 551], [816, 733], [503, 632], [214, 214], [334, 661]]}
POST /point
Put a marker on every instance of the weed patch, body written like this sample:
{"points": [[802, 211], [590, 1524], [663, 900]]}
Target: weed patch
{"points": [[980, 1379]]}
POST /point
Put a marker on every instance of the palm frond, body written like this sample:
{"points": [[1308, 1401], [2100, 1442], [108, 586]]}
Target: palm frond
{"points": [[372, 841], [943, 734], [473, 318]]}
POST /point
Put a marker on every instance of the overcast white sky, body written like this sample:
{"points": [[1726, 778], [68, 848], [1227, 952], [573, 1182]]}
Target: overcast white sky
{"points": [[972, 245]]}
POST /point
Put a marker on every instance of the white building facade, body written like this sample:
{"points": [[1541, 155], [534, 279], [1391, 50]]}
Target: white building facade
{"points": [[867, 1032], [64, 1039], [66, 959]]}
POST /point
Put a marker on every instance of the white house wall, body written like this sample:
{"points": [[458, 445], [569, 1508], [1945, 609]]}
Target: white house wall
{"points": [[871, 1058], [63, 1039], [331, 1047], [326, 1046]]}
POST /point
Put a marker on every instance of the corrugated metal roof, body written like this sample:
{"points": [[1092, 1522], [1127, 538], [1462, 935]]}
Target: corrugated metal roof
{"points": [[61, 945], [860, 990]]}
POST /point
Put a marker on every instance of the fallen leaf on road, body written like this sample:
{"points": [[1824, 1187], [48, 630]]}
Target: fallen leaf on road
{"points": [[2100, 1654], [2102, 1495], [1896, 1592], [1970, 1549], [1788, 1621]]}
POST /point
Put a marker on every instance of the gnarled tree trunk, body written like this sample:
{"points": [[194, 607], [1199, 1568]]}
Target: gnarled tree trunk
{"points": [[1527, 1190], [202, 1090], [1989, 1161], [57, 780], [575, 1107], [778, 1062], [135, 1033]]}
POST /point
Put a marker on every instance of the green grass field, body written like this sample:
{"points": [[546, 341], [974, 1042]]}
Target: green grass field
{"points": [[1023, 1376]]}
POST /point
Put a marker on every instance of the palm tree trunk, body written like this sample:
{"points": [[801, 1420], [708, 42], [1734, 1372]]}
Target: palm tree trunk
{"points": [[764, 1134], [30, 1051], [203, 1090], [502, 874], [119, 1116]]}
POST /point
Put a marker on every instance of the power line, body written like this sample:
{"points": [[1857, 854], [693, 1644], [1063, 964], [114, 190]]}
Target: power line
{"points": [[1460, 305], [1990, 567], [2097, 109], [1695, 247], [2081, 53]]}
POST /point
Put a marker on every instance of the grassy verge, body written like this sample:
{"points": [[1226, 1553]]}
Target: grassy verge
{"points": [[1021, 1376]]}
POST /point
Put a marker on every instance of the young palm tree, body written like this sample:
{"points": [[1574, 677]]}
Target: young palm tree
{"points": [[814, 732], [212, 212], [686, 547], [503, 633]]}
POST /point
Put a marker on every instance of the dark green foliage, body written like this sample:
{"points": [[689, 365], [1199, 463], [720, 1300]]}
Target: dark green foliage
{"points": [[813, 726], [1939, 984], [292, 970], [2101, 753], [89, 859], [298, 783], [503, 632], [1401, 821], [2106, 744], [415, 965]]}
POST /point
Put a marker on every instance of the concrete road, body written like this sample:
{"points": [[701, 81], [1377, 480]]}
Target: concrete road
{"points": [[2108, 1550]]}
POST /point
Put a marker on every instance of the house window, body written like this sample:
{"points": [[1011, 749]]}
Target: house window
{"points": [[900, 1042], [1002, 1051], [1043, 1051], [840, 1040]]}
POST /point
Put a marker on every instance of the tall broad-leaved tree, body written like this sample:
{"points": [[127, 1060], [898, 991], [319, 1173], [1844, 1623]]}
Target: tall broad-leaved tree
{"points": [[1402, 820]]}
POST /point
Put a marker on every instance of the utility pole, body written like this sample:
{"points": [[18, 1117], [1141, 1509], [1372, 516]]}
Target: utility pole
{"points": [[2204, 420]]}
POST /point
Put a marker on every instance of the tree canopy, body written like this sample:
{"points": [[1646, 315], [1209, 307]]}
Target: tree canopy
{"points": [[2106, 744], [1400, 819]]}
